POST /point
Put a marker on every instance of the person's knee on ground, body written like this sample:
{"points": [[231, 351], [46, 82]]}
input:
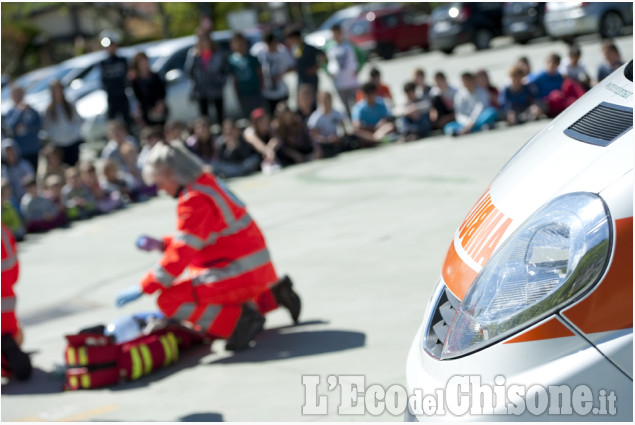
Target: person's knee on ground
{"points": [[249, 324]]}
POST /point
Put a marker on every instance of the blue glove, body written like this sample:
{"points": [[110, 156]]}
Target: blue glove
{"points": [[147, 243], [127, 295]]}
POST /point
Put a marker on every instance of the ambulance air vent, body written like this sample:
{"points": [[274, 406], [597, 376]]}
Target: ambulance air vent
{"points": [[602, 125], [440, 323]]}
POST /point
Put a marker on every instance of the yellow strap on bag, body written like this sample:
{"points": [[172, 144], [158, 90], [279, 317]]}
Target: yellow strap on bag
{"points": [[137, 368], [83, 356], [166, 349], [174, 345], [85, 379], [147, 358], [72, 359]]}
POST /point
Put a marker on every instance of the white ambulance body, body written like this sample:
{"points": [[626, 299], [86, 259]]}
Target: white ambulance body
{"points": [[537, 286]]}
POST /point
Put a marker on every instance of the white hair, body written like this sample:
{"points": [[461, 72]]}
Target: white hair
{"points": [[185, 166]]}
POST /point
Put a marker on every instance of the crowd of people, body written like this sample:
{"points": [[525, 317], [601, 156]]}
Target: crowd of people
{"points": [[45, 185]]}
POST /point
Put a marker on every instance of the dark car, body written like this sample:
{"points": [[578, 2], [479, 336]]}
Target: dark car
{"points": [[454, 24], [524, 21], [389, 30]]}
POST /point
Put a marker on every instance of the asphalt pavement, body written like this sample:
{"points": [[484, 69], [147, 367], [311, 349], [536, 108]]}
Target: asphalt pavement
{"points": [[362, 235]]}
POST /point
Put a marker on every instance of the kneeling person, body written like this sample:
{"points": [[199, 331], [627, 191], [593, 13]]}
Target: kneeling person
{"points": [[232, 281]]}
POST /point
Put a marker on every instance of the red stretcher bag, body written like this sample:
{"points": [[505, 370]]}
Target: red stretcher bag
{"points": [[93, 360]]}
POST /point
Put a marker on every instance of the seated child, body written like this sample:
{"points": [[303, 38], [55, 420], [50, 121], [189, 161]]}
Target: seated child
{"points": [[40, 213]]}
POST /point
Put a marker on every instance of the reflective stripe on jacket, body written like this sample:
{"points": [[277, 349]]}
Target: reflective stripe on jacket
{"points": [[214, 231], [10, 271]]}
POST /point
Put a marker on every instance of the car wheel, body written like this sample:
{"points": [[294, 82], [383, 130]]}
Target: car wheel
{"points": [[448, 50], [482, 39], [386, 50], [611, 25]]}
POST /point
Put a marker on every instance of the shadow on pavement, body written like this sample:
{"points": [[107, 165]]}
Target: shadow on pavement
{"points": [[286, 342], [187, 359], [202, 417], [41, 382]]}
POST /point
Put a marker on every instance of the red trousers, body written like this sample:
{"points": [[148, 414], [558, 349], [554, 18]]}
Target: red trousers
{"points": [[216, 306]]}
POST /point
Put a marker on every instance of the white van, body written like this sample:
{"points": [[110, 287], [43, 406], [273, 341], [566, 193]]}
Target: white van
{"points": [[532, 317]]}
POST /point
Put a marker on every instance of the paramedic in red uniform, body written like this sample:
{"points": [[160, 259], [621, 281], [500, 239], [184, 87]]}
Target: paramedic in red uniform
{"points": [[232, 281], [14, 361]]}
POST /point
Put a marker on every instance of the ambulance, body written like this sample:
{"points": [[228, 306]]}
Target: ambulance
{"points": [[532, 316]]}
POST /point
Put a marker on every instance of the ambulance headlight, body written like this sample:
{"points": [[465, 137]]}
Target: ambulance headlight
{"points": [[553, 258]]}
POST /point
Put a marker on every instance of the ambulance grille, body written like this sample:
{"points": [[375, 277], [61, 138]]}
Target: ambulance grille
{"points": [[602, 125], [440, 323]]}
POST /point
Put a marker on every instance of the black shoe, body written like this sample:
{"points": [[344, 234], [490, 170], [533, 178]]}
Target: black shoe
{"points": [[19, 362], [286, 297], [249, 324]]}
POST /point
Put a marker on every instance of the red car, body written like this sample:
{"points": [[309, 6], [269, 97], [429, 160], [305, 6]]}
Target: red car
{"points": [[390, 30]]}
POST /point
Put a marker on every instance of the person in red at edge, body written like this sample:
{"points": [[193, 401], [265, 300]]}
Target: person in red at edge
{"points": [[14, 361], [232, 282]]}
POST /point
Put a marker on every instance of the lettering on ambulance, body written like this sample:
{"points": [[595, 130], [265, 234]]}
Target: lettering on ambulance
{"points": [[477, 238], [477, 234]]}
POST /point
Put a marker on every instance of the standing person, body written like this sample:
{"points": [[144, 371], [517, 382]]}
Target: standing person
{"points": [[247, 75], [63, 124], [149, 89], [17, 362], [308, 59], [231, 281], [472, 108], [208, 67], [25, 124], [343, 67], [114, 79], [275, 62]]}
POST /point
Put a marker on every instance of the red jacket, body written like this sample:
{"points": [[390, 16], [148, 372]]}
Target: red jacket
{"points": [[213, 230], [10, 272]]}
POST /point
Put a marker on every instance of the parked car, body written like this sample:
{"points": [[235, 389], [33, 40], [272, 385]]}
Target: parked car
{"points": [[454, 24], [537, 285], [524, 21], [389, 30], [568, 19], [27, 82], [343, 17], [166, 58]]}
